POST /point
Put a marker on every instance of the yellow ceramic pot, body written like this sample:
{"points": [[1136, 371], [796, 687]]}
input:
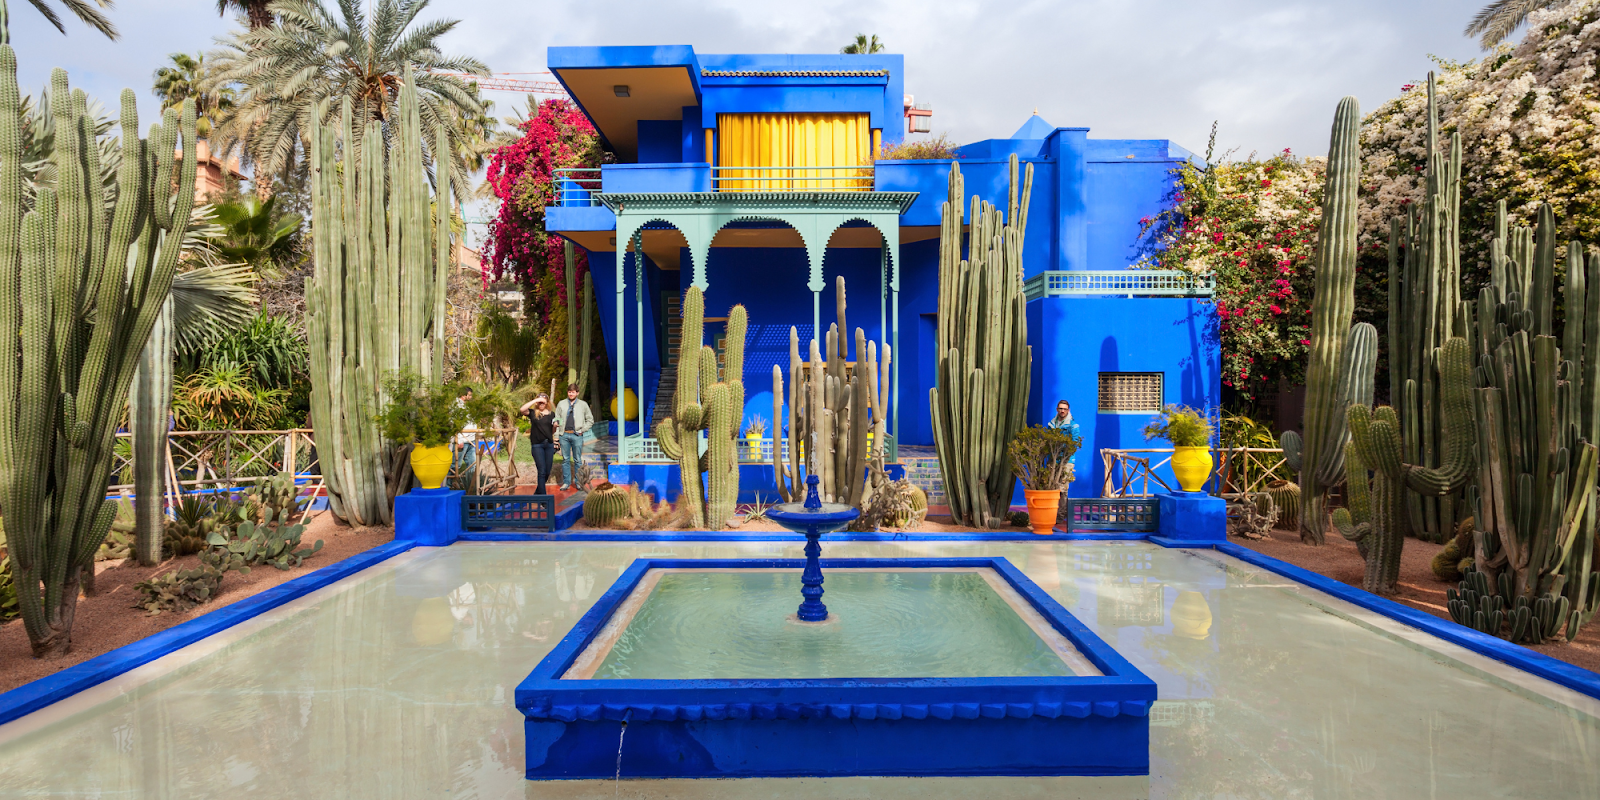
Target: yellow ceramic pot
{"points": [[431, 464], [630, 406], [1191, 616], [754, 443], [1192, 465]]}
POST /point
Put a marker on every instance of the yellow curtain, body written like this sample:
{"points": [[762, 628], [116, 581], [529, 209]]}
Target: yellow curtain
{"points": [[785, 152]]}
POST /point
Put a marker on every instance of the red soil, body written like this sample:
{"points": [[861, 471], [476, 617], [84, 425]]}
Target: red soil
{"points": [[109, 620]]}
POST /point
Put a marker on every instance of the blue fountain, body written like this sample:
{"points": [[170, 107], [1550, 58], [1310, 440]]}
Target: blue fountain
{"points": [[812, 518]]}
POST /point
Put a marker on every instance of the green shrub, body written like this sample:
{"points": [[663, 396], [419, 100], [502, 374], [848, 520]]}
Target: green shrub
{"points": [[1042, 457], [421, 412], [1181, 425]]}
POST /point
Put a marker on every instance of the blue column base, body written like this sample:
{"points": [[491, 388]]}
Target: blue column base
{"points": [[429, 517], [1190, 519]]}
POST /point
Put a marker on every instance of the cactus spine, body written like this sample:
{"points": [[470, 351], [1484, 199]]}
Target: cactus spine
{"points": [[1424, 311], [1534, 502], [578, 357], [981, 391], [706, 404], [81, 286], [1376, 517], [376, 301], [833, 409], [1332, 382]]}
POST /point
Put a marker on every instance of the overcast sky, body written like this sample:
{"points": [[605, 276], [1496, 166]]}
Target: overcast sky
{"points": [[1271, 71]]}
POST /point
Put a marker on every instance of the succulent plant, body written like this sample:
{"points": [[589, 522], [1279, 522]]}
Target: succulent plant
{"points": [[605, 504], [275, 543], [716, 407], [86, 273], [982, 373], [376, 301]]}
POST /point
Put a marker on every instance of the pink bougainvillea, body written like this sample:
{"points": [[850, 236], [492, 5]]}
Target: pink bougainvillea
{"points": [[521, 173]]}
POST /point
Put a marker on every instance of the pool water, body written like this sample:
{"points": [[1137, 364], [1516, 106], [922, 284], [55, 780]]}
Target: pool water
{"points": [[398, 683], [883, 624]]}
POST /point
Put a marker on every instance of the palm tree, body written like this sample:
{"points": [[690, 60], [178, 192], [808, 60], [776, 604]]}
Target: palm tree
{"points": [[1497, 20], [253, 233], [863, 46], [305, 66], [182, 81], [257, 12], [82, 9]]}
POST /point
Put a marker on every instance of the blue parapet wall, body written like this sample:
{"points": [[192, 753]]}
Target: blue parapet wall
{"points": [[1079, 725]]}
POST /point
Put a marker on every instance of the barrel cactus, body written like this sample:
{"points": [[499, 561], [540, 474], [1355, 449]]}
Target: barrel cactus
{"points": [[86, 273], [605, 504], [1286, 497]]}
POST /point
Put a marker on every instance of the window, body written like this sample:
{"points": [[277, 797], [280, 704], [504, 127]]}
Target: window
{"points": [[1130, 392]]}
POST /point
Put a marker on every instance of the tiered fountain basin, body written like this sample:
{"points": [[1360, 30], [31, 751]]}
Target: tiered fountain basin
{"points": [[699, 668]]}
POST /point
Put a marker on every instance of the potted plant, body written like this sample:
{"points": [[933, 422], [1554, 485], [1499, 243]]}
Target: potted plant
{"points": [[1189, 430], [428, 416], [753, 435], [1042, 459]]}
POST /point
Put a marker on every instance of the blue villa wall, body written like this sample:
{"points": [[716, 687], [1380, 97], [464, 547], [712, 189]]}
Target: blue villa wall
{"points": [[1089, 197], [1076, 338]]}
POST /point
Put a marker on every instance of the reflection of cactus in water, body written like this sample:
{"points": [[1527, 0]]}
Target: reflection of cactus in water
{"points": [[705, 404]]}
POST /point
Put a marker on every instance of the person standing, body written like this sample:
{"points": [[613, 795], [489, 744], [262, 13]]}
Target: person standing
{"points": [[541, 436], [573, 420], [1063, 422]]}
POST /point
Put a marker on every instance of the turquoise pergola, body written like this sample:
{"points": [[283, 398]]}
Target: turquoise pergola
{"points": [[699, 216]]}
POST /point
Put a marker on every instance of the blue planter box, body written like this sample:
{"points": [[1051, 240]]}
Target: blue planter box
{"points": [[1075, 725]]}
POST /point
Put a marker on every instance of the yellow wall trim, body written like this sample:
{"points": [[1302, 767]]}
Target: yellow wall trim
{"points": [[805, 142]]}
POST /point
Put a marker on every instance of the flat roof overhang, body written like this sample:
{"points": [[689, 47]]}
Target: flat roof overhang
{"points": [[661, 82]]}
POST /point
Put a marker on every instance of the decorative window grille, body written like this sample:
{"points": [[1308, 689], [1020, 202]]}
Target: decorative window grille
{"points": [[1130, 392]]}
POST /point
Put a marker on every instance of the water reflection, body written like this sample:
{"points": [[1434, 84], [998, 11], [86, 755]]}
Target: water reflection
{"points": [[401, 687]]}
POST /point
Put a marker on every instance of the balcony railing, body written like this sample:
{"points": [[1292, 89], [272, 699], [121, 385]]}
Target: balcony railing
{"points": [[792, 179], [1130, 282], [577, 187], [640, 449]]}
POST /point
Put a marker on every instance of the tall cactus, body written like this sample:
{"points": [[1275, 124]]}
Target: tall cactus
{"points": [[981, 392], [578, 357], [833, 409], [376, 301], [1375, 516], [1537, 417], [149, 407], [1332, 385], [706, 404], [1424, 311], [82, 283]]}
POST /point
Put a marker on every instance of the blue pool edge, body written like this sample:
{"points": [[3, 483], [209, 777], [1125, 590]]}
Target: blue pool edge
{"points": [[1532, 662], [31, 697]]}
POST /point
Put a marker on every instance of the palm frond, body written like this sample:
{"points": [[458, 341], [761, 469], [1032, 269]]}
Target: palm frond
{"points": [[209, 302], [1495, 21], [82, 9]]}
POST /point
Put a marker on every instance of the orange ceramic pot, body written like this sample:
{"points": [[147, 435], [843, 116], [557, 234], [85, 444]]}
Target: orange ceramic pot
{"points": [[1043, 505]]}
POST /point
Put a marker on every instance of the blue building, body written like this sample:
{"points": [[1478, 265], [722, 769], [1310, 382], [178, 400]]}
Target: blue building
{"points": [[756, 178]]}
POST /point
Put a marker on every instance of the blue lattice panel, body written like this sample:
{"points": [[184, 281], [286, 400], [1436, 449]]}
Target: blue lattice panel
{"points": [[508, 512], [1137, 514]]}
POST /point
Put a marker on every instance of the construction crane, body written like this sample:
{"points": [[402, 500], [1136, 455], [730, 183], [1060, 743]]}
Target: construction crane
{"points": [[495, 82]]}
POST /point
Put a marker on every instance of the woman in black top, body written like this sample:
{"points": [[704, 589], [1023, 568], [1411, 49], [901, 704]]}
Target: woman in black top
{"points": [[541, 435]]}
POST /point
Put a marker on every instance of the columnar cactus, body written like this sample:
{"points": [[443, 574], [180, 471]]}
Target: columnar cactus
{"points": [[704, 403], [1332, 382], [840, 413], [1376, 518], [981, 392], [376, 301], [149, 407], [1537, 417], [82, 282], [1424, 311], [578, 356]]}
